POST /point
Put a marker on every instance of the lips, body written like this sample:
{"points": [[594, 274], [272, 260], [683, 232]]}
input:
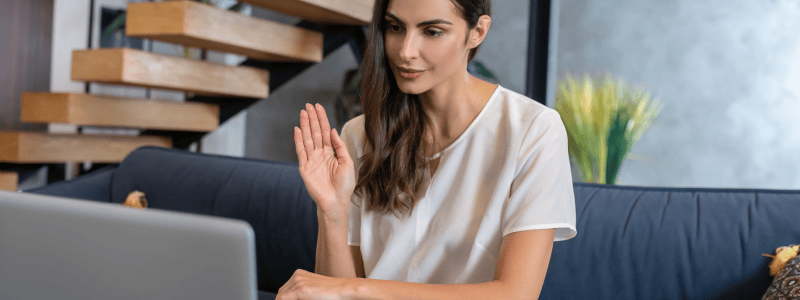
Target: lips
{"points": [[409, 73]]}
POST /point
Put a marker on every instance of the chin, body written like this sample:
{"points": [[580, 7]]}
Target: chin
{"points": [[411, 88]]}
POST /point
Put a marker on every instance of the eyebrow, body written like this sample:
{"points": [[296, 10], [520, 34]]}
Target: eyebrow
{"points": [[426, 23]]}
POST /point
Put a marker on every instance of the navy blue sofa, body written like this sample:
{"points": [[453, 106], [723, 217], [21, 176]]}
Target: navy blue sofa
{"points": [[632, 242]]}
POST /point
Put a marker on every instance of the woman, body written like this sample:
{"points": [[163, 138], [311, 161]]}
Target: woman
{"points": [[460, 187]]}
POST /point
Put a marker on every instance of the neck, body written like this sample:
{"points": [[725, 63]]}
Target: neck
{"points": [[452, 106]]}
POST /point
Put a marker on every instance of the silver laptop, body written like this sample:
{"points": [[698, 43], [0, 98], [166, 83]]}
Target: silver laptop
{"points": [[58, 248]]}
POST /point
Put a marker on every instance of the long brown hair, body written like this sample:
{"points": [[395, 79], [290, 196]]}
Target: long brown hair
{"points": [[394, 122]]}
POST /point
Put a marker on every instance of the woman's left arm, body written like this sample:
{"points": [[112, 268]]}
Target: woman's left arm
{"points": [[521, 268]]}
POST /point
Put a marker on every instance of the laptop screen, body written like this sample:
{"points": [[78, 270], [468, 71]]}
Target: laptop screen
{"points": [[59, 248]]}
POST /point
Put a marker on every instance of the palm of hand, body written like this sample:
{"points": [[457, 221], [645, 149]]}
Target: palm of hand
{"points": [[325, 164], [325, 174]]}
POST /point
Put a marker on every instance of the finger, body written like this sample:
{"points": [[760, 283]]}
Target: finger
{"points": [[315, 133], [286, 290], [282, 289], [299, 147], [324, 125], [291, 285], [341, 148], [306, 128]]}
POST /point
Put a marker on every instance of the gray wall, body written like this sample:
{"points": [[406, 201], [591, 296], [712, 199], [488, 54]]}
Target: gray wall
{"points": [[270, 122], [727, 72], [25, 39], [505, 49]]}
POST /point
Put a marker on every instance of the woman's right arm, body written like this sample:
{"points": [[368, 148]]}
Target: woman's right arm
{"points": [[328, 173]]}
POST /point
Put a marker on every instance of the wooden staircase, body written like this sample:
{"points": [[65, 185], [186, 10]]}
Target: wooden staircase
{"points": [[32, 147], [197, 25], [139, 68], [188, 23], [350, 12], [8, 181], [94, 110]]}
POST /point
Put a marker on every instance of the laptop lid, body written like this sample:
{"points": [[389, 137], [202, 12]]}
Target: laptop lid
{"points": [[59, 248]]}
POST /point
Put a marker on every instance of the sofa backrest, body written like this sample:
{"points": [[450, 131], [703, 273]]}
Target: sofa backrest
{"points": [[632, 242], [269, 195], [671, 243]]}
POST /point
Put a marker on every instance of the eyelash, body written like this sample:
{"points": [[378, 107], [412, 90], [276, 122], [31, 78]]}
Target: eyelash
{"points": [[431, 33]]}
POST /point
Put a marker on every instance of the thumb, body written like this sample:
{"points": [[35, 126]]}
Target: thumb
{"points": [[341, 149]]}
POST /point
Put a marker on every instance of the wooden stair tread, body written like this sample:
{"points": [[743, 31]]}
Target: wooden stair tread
{"points": [[8, 181], [94, 110], [205, 26], [35, 147], [139, 68], [348, 12]]}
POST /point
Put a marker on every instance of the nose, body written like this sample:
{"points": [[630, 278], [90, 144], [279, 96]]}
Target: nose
{"points": [[410, 48]]}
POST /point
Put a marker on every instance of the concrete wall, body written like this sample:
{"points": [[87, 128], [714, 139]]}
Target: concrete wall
{"points": [[70, 32], [505, 49], [727, 72], [271, 122]]}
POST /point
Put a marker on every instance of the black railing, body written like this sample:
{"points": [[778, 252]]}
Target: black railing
{"points": [[538, 43]]}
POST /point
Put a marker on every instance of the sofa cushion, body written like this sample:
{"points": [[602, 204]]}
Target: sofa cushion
{"points": [[671, 243], [269, 195], [93, 186]]}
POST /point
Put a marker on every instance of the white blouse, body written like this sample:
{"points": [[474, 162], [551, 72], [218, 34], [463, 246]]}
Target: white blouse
{"points": [[508, 172]]}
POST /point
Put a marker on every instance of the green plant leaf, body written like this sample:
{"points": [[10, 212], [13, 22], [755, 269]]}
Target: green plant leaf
{"points": [[115, 25], [236, 7], [483, 71], [603, 118], [618, 145]]}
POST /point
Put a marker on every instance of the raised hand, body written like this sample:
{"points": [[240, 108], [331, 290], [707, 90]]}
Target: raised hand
{"points": [[325, 165]]}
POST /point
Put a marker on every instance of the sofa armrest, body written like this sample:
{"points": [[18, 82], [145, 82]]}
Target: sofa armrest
{"points": [[95, 186]]}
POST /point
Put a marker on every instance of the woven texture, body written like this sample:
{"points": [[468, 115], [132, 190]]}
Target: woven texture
{"points": [[786, 285]]}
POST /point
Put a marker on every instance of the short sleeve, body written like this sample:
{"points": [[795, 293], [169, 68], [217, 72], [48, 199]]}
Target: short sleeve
{"points": [[354, 219], [541, 195]]}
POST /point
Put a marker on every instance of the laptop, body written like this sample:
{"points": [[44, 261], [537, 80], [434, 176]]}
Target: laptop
{"points": [[60, 248]]}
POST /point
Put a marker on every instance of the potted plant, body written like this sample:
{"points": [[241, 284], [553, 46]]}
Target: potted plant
{"points": [[603, 118]]}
